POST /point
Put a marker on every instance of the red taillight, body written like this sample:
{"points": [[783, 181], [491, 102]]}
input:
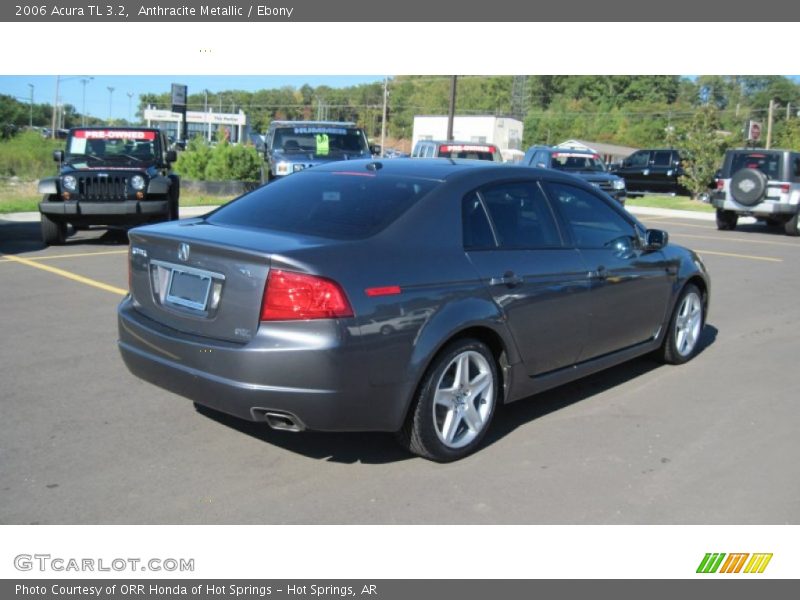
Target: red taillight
{"points": [[720, 184], [294, 296], [785, 188]]}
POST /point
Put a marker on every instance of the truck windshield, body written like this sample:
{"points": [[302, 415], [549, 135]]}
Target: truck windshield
{"points": [[111, 145], [320, 141], [577, 162]]}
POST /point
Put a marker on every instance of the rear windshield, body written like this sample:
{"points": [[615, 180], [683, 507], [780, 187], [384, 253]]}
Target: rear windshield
{"points": [[472, 152], [577, 162], [767, 162], [337, 205]]}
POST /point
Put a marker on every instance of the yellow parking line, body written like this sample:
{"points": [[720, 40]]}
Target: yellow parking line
{"points": [[79, 278], [734, 239], [731, 254], [75, 255]]}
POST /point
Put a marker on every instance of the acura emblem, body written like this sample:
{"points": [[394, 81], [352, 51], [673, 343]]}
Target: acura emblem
{"points": [[183, 252]]}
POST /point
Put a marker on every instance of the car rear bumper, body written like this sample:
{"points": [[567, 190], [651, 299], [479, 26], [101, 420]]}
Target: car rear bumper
{"points": [[316, 378], [762, 208], [101, 213]]}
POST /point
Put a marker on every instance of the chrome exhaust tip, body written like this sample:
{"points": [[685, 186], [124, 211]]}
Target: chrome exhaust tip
{"points": [[283, 421]]}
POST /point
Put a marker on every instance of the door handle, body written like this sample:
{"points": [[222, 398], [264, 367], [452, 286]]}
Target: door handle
{"points": [[509, 279], [601, 274]]}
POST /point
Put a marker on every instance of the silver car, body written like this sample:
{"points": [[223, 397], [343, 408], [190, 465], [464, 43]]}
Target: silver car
{"points": [[403, 296]]}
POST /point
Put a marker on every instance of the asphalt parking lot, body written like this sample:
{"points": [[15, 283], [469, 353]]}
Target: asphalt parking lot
{"points": [[713, 441]]}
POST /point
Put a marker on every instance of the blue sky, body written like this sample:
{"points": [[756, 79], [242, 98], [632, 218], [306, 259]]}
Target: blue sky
{"points": [[97, 94]]}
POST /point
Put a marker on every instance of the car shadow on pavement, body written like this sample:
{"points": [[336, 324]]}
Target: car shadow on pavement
{"points": [[345, 448], [512, 416], [381, 448], [22, 237]]}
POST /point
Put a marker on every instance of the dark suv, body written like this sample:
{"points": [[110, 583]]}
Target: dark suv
{"points": [[760, 183], [291, 146], [582, 163], [655, 170], [109, 176]]}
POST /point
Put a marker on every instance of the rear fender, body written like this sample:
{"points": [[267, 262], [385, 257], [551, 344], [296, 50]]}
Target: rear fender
{"points": [[446, 325]]}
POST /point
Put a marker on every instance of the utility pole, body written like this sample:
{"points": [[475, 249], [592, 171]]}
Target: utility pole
{"points": [[130, 106], [55, 109], [452, 111], [30, 118], [788, 110], [110, 97], [769, 123], [383, 121]]}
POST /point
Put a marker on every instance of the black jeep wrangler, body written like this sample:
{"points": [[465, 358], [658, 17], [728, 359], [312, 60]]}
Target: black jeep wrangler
{"points": [[118, 177]]}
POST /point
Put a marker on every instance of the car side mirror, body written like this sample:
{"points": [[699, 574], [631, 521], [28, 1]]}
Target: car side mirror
{"points": [[655, 239], [171, 156], [58, 156], [375, 149]]}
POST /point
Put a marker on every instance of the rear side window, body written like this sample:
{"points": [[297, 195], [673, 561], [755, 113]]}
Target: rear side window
{"points": [[337, 205], [521, 216], [767, 163], [662, 158]]}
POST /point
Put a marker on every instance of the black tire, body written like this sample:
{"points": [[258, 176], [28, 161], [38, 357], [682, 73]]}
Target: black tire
{"points": [[54, 233], [792, 226], [726, 220], [174, 199], [421, 433], [671, 351]]}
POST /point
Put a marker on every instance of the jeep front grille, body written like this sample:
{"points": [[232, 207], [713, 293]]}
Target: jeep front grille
{"points": [[113, 187]]}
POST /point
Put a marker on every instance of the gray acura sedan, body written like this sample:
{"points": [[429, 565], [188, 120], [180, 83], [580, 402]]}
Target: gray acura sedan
{"points": [[403, 296]]}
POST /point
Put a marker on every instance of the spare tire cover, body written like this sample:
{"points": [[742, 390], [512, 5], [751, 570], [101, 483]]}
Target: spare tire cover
{"points": [[748, 186]]}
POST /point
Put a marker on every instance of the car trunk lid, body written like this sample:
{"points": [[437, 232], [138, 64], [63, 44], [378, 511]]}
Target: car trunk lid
{"points": [[204, 279]]}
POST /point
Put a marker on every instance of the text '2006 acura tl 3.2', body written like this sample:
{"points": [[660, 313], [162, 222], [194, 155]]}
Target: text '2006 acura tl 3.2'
{"points": [[403, 296]]}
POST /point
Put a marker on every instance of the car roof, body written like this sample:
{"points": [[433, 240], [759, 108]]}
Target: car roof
{"points": [[312, 124], [456, 143], [115, 128], [439, 169]]}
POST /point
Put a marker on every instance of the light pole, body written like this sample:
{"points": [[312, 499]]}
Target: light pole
{"points": [[110, 97], [130, 110], [83, 107], [30, 118], [208, 118], [55, 109]]}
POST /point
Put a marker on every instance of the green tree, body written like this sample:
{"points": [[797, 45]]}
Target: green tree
{"points": [[193, 161], [704, 146]]}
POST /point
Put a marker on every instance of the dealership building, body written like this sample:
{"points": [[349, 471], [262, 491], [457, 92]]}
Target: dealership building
{"points": [[200, 123]]}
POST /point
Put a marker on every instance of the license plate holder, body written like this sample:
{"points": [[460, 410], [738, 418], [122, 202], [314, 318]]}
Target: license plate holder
{"points": [[188, 289]]}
